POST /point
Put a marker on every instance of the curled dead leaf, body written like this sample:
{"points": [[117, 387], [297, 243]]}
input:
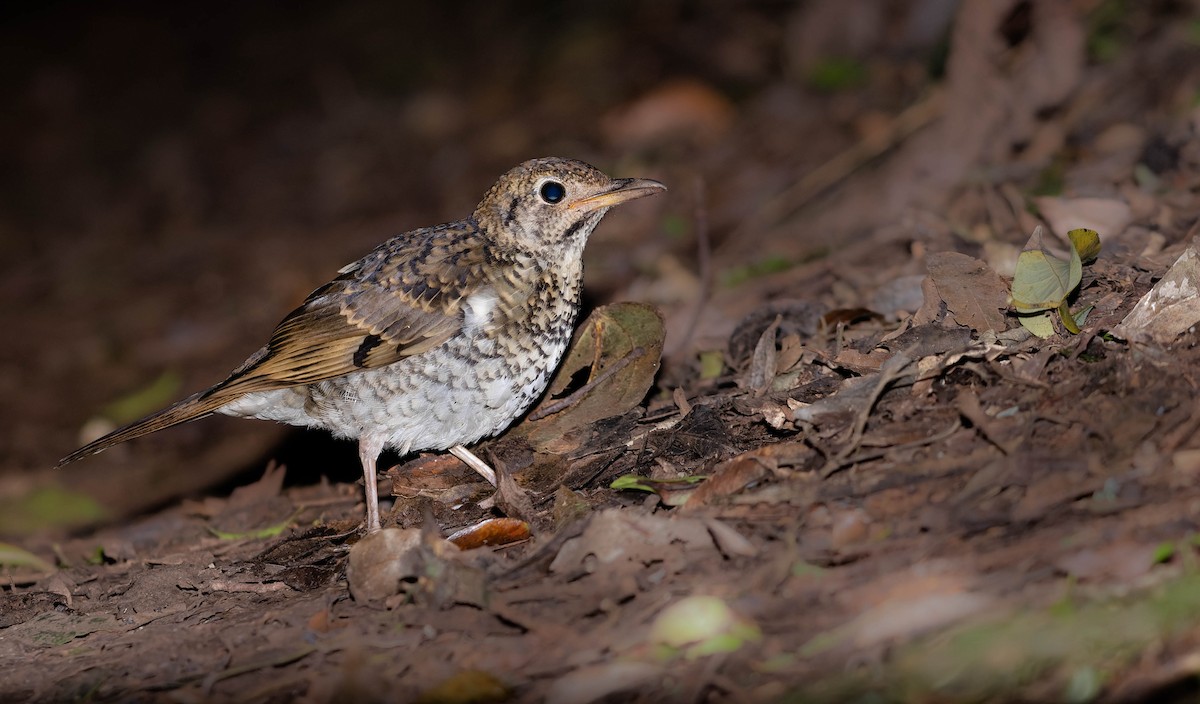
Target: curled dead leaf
{"points": [[490, 532], [729, 478]]}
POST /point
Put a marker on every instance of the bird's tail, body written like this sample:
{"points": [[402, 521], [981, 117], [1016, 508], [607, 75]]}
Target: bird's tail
{"points": [[197, 405]]}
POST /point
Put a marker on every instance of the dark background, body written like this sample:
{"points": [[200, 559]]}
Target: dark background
{"points": [[177, 176]]}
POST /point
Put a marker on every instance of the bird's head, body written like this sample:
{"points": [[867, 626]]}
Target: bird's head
{"points": [[551, 205]]}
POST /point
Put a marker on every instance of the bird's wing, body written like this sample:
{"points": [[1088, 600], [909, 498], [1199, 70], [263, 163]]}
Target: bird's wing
{"points": [[403, 299]]}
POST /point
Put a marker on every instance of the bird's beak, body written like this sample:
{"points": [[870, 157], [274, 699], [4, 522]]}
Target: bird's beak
{"points": [[622, 189]]}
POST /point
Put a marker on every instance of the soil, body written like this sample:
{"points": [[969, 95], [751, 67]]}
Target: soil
{"points": [[823, 459]]}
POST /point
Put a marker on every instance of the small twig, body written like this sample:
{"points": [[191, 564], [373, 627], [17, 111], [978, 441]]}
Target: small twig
{"points": [[220, 585], [656, 427], [891, 370], [564, 403], [158, 617], [679, 396], [829, 470], [265, 664]]}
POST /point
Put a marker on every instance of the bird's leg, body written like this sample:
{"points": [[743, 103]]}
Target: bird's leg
{"points": [[474, 463], [368, 453]]}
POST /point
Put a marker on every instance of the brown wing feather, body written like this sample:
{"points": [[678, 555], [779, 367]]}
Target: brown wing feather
{"points": [[402, 299]]}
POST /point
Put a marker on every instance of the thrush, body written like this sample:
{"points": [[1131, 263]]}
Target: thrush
{"points": [[438, 338]]}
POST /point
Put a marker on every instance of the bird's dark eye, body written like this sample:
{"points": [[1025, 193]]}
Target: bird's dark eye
{"points": [[553, 192]]}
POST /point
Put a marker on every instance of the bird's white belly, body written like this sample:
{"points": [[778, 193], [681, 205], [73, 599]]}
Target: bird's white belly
{"points": [[416, 403]]}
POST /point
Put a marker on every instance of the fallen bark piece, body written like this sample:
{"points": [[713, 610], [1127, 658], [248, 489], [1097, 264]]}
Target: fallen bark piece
{"points": [[1168, 309]]}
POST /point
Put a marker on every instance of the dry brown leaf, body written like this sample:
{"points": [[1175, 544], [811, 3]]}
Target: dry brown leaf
{"points": [[686, 109], [568, 507], [931, 305], [923, 341], [910, 604], [380, 561], [1006, 436], [268, 487], [588, 684], [511, 498], [762, 362], [849, 527], [1123, 560], [729, 541], [408, 564], [614, 536], [729, 478], [854, 360], [1107, 216], [443, 478], [972, 291], [1050, 493]]}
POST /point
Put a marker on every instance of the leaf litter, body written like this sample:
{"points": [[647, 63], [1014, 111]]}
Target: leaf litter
{"points": [[860, 479]]}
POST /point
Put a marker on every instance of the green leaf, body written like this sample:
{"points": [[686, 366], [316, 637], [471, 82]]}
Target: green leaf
{"points": [[1064, 313], [834, 74], [712, 363], [1042, 281], [13, 556], [1039, 324], [630, 482], [1164, 552], [1084, 685], [806, 569], [1042, 324], [97, 556], [467, 687], [672, 492], [47, 508], [157, 394], [1081, 316], [700, 625], [771, 264], [257, 534], [1086, 243]]}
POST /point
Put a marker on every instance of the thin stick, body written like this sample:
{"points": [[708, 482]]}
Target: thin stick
{"points": [[891, 370]]}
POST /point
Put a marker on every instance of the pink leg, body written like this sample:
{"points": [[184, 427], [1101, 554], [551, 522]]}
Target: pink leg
{"points": [[474, 463], [368, 453]]}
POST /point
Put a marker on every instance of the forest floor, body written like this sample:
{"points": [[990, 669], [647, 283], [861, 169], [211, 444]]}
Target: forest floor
{"points": [[820, 459]]}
